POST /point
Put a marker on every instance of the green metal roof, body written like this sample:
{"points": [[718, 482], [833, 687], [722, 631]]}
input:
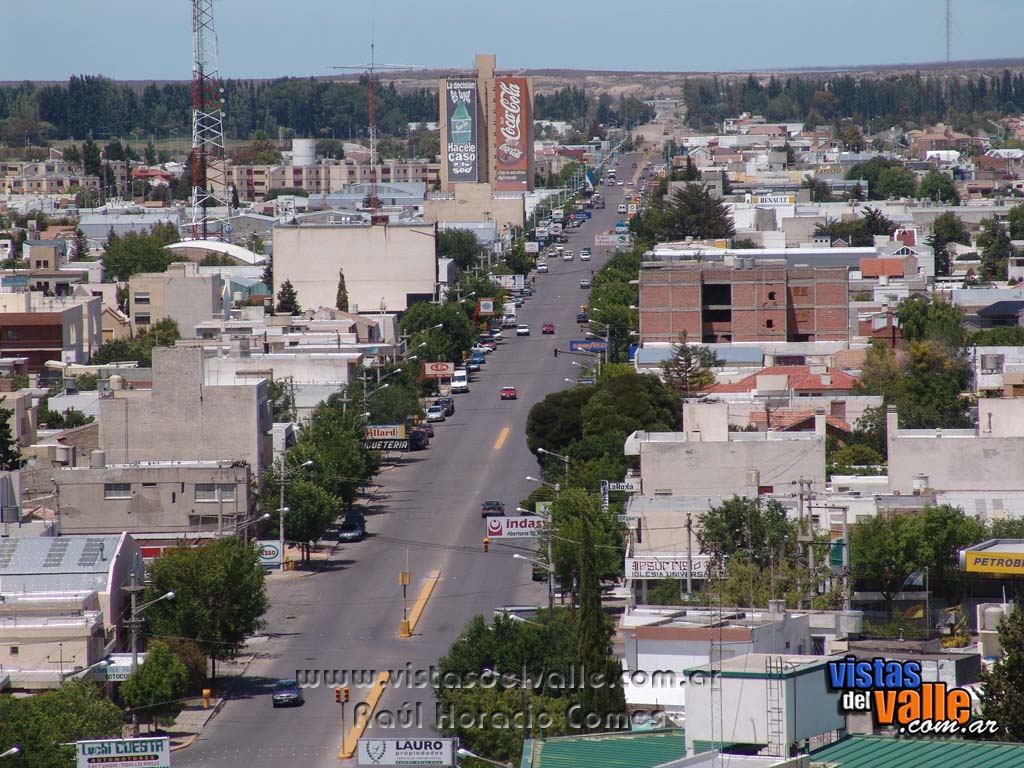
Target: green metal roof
{"points": [[888, 752], [628, 750]]}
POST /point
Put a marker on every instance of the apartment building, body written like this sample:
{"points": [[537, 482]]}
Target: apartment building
{"points": [[747, 301], [41, 328], [253, 182], [181, 293]]}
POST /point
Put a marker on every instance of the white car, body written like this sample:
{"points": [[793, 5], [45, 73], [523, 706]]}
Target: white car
{"points": [[567, 256], [585, 283], [480, 349], [435, 413], [585, 254], [542, 267], [523, 330]]}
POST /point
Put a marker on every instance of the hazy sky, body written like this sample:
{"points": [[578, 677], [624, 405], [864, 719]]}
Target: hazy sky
{"points": [[151, 39]]}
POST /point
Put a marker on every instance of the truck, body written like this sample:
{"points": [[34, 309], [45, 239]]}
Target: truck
{"points": [[508, 313]]}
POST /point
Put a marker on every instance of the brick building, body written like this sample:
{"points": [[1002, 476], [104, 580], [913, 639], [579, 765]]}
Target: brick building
{"points": [[720, 303]]}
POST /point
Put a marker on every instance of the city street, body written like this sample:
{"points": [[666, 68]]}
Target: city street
{"points": [[347, 616]]}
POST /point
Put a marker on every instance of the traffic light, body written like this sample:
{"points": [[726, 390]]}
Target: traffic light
{"points": [[344, 695], [337, 695], [556, 351], [487, 543]]}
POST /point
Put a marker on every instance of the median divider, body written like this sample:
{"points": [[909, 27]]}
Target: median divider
{"points": [[421, 603], [350, 740]]}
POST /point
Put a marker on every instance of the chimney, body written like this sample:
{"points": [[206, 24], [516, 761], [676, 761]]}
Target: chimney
{"points": [[753, 483], [819, 422]]}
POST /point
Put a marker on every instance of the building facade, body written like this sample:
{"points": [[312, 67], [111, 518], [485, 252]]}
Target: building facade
{"points": [[181, 293]]}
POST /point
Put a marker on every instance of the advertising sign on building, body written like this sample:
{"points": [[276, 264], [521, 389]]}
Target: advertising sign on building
{"points": [[625, 487], [386, 444], [774, 199], [438, 370], [499, 527], [666, 567], [555, 229], [531, 247], [462, 153], [406, 752], [612, 240], [510, 282], [511, 134], [384, 431], [270, 552], [582, 215], [587, 345], [154, 752], [485, 307]]}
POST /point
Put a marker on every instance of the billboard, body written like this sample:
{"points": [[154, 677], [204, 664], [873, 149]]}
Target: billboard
{"points": [[662, 567], [555, 229], [588, 345], [612, 240], [531, 247], [485, 307], [154, 752], [511, 134], [585, 215], [386, 444], [510, 282], [1003, 557], [499, 527], [625, 487], [406, 752], [438, 370], [270, 552], [384, 431], [462, 154]]}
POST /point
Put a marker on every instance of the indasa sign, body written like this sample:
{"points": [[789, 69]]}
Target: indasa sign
{"points": [[499, 527], [511, 141], [438, 370]]}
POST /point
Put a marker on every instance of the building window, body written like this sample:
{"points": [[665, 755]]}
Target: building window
{"points": [[117, 490], [769, 323], [771, 295], [206, 492], [12, 335], [227, 492], [142, 318], [14, 650], [142, 297], [800, 291], [149, 485]]}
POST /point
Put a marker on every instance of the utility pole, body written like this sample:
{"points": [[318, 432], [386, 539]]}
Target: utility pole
{"points": [[551, 559], [689, 555], [133, 624]]}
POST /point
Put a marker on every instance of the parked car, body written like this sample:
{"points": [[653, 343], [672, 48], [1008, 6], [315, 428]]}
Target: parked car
{"points": [[460, 381], [542, 267], [582, 317], [427, 428], [478, 358], [489, 343], [519, 301], [547, 328], [567, 255], [353, 527], [480, 349], [287, 694], [418, 440], [496, 333], [473, 364], [448, 403], [492, 507], [585, 282], [585, 254], [436, 413], [522, 330], [509, 393]]}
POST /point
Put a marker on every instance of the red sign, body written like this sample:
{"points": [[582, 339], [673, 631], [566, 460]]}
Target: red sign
{"points": [[438, 370], [512, 122]]}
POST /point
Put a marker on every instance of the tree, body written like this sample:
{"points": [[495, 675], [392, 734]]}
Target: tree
{"points": [[10, 456], [311, 512], [1015, 222], [80, 246], [876, 223], [688, 370], [461, 246], [820, 191], [922, 319], [1002, 693], [851, 138], [150, 153], [884, 551], [994, 244], [445, 343], [157, 685], [746, 525], [557, 421], [1001, 336], [288, 300], [235, 202], [91, 159], [341, 299], [220, 595], [939, 187], [946, 229], [691, 211], [896, 182], [125, 255], [281, 401]]}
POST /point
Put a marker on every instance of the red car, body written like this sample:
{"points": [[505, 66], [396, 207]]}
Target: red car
{"points": [[548, 328], [509, 393]]}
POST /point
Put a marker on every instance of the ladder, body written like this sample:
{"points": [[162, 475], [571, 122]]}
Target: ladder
{"points": [[774, 681]]}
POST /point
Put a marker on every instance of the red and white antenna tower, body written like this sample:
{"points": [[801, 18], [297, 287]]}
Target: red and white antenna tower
{"points": [[370, 69], [209, 171]]}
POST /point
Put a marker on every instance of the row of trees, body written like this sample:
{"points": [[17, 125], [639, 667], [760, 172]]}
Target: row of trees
{"points": [[887, 179], [687, 211]]}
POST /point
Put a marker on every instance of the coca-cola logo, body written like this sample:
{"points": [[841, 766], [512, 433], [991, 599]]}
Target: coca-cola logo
{"points": [[510, 98]]}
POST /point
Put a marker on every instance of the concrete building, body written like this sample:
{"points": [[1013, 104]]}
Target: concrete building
{"points": [[45, 254], [64, 604], [184, 419], [709, 460], [752, 302], [475, 202], [387, 267], [97, 225], [40, 328], [181, 293], [153, 496], [986, 458], [998, 370]]}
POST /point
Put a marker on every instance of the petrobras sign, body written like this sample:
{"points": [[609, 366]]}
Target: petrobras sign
{"points": [[384, 431], [435, 371], [500, 527], [485, 307], [587, 345], [555, 229], [667, 567], [154, 752], [406, 752], [269, 551]]}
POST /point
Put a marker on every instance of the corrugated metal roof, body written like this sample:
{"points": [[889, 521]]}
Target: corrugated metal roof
{"points": [[631, 750], [56, 564], [885, 752]]}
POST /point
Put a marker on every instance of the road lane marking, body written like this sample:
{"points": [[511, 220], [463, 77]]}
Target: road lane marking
{"points": [[421, 601], [502, 438], [350, 740]]}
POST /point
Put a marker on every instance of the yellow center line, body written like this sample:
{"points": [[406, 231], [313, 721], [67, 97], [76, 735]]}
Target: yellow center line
{"points": [[502, 438]]}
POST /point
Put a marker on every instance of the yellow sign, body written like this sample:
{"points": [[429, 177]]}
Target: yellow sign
{"points": [[984, 562]]}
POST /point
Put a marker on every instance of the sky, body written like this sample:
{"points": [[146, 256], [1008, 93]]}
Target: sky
{"points": [[151, 39]]}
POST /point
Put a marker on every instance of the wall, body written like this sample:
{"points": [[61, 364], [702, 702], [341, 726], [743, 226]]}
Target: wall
{"points": [[474, 202], [393, 263], [720, 468], [182, 419], [181, 294], [163, 499]]}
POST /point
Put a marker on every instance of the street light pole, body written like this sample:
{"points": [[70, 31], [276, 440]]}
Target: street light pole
{"points": [[134, 624]]}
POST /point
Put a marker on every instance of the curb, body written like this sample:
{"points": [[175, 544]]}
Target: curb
{"points": [[186, 744], [216, 709]]}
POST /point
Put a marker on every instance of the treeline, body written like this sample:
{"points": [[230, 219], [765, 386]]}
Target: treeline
{"points": [[575, 105], [880, 102]]}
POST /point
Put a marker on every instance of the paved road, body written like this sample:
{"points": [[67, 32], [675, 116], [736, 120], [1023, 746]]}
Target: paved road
{"points": [[347, 617]]}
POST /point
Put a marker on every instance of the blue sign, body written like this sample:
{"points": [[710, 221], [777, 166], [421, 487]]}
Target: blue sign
{"points": [[582, 215], [588, 345], [632, 351], [14, 281]]}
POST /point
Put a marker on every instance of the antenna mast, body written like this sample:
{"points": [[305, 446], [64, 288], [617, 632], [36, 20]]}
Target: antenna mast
{"points": [[209, 172], [949, 33], [371, 69]]}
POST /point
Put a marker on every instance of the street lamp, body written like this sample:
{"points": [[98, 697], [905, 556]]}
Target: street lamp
{"points": [[135, 623], [102, 663], [462, 752], [565, 460], [16, 749], [550, 536], [282, 510]]}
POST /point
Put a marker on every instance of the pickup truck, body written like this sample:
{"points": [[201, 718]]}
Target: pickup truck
{"points": [[491, 507]]}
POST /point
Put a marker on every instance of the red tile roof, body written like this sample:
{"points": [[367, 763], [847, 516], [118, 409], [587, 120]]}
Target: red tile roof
{"points": [[800, 380]]}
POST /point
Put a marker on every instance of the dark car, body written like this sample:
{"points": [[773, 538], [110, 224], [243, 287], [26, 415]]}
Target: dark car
{"points": [[582, 317], [427, 427], [418, 440], [353, 527], [287, 694], [492, 507], [448, 403]]}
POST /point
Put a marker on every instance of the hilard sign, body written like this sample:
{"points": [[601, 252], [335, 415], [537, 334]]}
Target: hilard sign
{"points": [[384, 431], [406, 752], [499, 527]]}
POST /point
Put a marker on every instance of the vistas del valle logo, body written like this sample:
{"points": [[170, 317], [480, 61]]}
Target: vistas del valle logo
{"points": [[897, 697]]}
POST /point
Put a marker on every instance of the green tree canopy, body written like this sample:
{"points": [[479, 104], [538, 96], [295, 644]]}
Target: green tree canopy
{"points": [[128, 254], [1015, 222], [946, 229], [312, 510], [157, 684], [939, 187], [443, 344], [692, 211], [461, 246], [1002, 693], [925, 319], [994, 244], [1000, 336], [688, 371], [288, 300], [747, 525]]}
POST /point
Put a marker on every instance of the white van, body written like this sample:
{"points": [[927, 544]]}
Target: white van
{"points": [[623, 208], [460, 381]]}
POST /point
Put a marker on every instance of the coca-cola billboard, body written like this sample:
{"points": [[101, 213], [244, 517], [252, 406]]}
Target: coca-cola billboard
{"points": [[462, 154], [512, 121]]}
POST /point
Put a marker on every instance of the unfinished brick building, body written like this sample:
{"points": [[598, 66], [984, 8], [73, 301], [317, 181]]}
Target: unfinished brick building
{"points": [[767, 301]]}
